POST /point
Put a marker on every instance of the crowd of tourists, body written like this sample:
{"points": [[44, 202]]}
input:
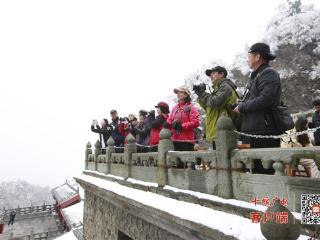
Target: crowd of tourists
{"points": [[254, 113]]}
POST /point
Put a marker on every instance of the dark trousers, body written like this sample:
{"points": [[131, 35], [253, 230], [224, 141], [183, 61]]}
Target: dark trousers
{"points": [[142, 149], [183, 146], [261, 143], [11, 221]]}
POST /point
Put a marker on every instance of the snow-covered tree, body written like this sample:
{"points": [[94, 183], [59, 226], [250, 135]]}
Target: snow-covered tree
{"points": [[23, 194]]}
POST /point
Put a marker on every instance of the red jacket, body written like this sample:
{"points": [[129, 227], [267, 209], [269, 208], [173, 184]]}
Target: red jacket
{"points": [[190, 119], [156, 127]]}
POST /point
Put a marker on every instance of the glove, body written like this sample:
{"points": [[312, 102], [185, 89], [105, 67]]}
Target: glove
{"points": [[176, 125]]}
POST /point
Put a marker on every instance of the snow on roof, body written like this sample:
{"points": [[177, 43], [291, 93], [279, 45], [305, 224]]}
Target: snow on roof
{"points": [[64, 192], [229, 224], [73, 215]]}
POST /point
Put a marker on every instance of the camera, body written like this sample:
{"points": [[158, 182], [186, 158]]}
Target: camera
{"points": [[199, 87]]}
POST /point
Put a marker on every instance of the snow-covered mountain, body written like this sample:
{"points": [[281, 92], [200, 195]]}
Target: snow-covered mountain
{"points": [[23, 194]]}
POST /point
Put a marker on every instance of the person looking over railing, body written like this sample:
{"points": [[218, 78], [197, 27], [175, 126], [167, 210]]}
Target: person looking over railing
{"points": [[183, 119]]}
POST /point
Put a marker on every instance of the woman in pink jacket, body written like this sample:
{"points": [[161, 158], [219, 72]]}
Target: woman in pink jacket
{"points": [[184, 118]]}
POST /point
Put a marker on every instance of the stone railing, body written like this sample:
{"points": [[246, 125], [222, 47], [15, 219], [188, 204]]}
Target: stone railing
{"points": [[219, 172], [29, 211], [274, 159]]}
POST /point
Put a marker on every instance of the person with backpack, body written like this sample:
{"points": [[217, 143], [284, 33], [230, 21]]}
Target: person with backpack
{"points": [[221, 100], [183, 119], [262, 95]]}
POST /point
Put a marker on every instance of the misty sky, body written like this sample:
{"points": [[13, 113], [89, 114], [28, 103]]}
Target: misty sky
{"points": [[63, 63]]}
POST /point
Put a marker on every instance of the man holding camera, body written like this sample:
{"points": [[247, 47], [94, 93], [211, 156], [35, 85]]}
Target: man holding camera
{"points": [[263, 93], [221, 100]]}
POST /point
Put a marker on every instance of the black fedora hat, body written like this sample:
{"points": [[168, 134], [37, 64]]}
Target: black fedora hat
{"points": [[263, 49], [218, 69]]}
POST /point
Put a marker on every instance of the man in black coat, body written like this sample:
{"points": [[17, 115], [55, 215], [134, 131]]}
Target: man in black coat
{"points": [[12, 217], [263, 93]]}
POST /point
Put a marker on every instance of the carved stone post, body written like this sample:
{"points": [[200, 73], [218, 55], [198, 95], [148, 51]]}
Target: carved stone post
{"points": [[225, 142], [88, 151], [109, 150], [164, 146], [97, 152], [130, 147]]}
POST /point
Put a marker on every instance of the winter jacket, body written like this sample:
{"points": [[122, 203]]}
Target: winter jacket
{"points": [[264, 93], [189, 117], [104, 134], [156, 126], [142, 131], [116, 135], [316, 123], [126, 128], [219, 101]]}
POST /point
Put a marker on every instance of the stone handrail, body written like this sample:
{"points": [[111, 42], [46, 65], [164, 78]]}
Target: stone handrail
{"points": [[46, 208], [222, 169], [275, 159], [145, 159], [191, 159]]}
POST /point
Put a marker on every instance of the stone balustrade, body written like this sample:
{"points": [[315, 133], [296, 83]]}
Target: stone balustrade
{"points": [[219, 172], [31, 210], [274, 158]]}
